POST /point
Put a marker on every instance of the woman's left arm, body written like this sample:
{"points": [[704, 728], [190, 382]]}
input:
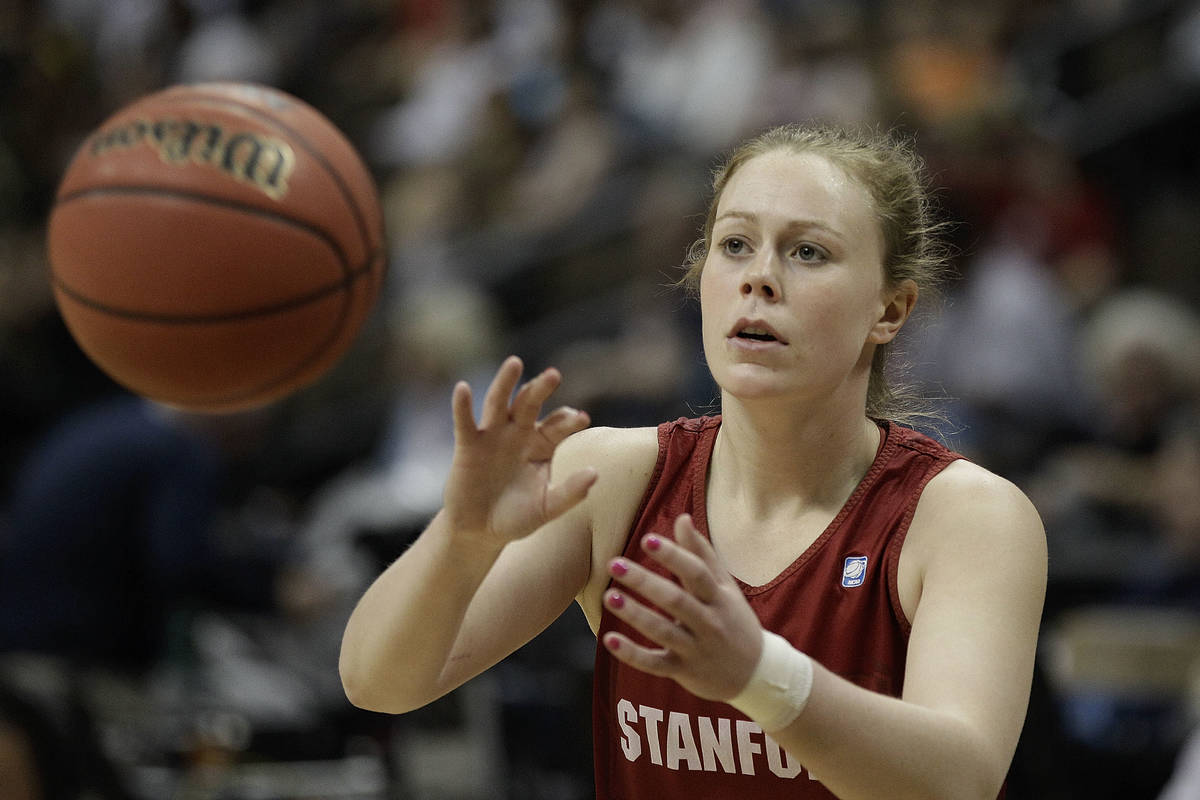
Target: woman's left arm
{"points": [[976, 549]]}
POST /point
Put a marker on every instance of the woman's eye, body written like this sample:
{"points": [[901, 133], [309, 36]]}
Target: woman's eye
{"points": [[809, 252], [733, 246]]}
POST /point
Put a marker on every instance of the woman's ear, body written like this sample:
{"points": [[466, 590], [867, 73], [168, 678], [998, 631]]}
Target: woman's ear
{"points": [[898, 304]]}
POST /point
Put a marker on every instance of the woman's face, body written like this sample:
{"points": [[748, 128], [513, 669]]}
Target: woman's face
{"points": [[792, 291]]}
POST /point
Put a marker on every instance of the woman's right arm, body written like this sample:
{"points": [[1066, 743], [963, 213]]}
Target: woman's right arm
{"points": [[506, 554]]}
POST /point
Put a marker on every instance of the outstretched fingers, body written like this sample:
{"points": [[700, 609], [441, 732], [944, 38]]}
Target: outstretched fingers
{"points": [[464, 415], [500, 405], [495, 403], [529, 400]]}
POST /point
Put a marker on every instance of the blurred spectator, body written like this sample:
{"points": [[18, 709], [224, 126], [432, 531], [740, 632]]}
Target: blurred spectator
{"points": [[227, 47], [1168, 573], [1140, 353], [567, 164], [449, 82], [440, 334], [43, 374], [691, 77], [109, 531], [1004, 349], [132, 538]]}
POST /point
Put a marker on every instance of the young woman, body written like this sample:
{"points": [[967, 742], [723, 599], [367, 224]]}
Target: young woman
{"points": [[797, 598]]}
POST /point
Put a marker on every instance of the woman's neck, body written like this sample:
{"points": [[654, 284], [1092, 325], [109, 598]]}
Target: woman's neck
{"points": [[766, 455]]}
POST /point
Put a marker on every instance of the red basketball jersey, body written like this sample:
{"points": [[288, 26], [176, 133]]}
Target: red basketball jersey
{"points": [[837, 601]]}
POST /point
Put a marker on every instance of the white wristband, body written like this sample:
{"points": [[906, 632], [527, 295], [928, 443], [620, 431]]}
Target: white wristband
{"points": [[778, 690]]}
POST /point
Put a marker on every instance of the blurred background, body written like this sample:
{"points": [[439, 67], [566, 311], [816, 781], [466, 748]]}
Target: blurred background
{"points": [[173, 588]]}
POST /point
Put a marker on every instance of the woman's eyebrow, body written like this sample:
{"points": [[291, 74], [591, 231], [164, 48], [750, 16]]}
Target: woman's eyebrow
{"points": [[796, 224]]}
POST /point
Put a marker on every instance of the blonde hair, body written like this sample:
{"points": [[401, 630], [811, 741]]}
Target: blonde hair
{"points": [[889, 168]]}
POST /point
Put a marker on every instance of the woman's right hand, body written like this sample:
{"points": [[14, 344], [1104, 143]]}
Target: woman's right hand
{"points": [[498, 489]]}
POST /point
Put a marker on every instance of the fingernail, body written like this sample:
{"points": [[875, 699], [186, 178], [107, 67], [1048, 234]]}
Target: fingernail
{"points": [[618, 567], [653, 542], [613, 642], [616, 600]]}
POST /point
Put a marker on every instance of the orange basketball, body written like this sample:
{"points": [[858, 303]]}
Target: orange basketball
{"points": [[216, 246]]}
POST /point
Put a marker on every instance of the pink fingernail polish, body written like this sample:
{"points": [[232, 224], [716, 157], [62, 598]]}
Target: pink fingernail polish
{"points": [[618, 567], [615, 600], [653, 542], [613, 642]]}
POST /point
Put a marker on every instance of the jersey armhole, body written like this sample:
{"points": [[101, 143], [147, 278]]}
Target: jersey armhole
{"points": [[897, 544]]}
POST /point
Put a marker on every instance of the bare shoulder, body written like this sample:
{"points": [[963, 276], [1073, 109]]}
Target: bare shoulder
{"points": [[966, 518], [965, 488], [969, 512], [624, 459], [612, 451]]}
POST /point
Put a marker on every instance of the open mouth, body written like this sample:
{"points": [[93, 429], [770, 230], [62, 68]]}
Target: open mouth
{"points": [[755, 331], [757, 334]]}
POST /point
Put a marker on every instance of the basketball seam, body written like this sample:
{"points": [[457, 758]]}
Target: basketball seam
{"points": [[299, 368], [359, 216], [206, 319], [369, 247], [349, 274]]}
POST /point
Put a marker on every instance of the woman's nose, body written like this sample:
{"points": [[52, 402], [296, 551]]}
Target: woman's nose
{"points": [[761, 281]]}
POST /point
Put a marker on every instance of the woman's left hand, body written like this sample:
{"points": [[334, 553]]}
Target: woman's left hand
{"points": [[708, 638]]}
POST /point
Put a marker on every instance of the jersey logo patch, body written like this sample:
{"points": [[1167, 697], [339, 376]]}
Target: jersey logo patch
{"points": [[854, 571]]}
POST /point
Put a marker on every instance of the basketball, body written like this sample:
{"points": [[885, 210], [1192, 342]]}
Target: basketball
{"points": [[217, 246]]}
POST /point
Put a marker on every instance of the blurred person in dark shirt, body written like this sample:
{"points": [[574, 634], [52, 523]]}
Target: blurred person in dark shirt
{"points": [[1112, 497], [109, 529]]}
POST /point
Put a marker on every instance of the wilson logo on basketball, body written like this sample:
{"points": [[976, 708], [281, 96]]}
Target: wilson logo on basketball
{"points": [[262, 161]]}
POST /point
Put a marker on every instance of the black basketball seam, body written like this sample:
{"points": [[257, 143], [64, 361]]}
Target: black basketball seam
{"points": [[206, 319], [350, 274], [319, 350], [372, 251], [357, 212]]}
